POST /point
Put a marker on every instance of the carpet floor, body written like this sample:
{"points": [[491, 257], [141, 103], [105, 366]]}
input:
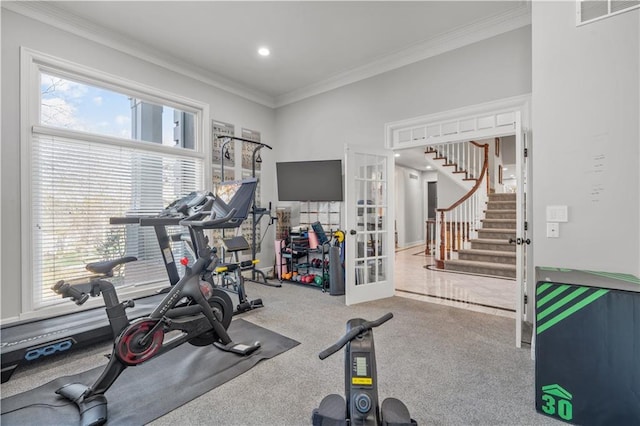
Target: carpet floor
{"points": [[449, 366]]}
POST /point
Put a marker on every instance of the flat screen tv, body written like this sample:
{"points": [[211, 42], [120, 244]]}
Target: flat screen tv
{"points": [[310, 180]]}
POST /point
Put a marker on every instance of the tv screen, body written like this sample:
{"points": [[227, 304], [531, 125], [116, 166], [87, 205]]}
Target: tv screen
{"points": [[310, 180]]}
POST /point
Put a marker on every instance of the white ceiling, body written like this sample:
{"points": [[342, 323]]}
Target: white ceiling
{"points": [[316, 46]]}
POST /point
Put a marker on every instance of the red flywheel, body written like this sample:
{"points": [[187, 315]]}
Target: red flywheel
{"points": [[129, 348]]}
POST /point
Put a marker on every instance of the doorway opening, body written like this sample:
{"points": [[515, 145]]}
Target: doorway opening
{"points": [[447, 133], [470, 283]]}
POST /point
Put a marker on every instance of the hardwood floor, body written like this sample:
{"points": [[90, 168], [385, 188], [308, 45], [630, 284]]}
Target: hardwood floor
{"points": [[477, 293]]}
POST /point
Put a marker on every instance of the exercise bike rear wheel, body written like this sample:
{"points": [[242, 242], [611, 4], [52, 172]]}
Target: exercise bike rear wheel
{"points": [[222, 307]]}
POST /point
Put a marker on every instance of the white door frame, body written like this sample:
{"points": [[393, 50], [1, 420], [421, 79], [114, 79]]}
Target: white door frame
{"points": [[499, 118], [375, 270]]}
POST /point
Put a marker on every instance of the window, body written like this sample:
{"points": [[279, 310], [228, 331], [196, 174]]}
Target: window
{"points": [[99, 148], [593, 10]]}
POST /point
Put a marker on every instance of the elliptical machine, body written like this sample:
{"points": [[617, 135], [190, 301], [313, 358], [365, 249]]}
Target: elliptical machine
{"points": [[193, 311], [361, 383]]}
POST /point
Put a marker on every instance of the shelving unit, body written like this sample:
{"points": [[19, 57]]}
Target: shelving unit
{"points": [[300, 261]]}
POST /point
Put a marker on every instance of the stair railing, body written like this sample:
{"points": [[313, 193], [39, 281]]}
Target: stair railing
{"points": [[464, 157], [458, 224]]}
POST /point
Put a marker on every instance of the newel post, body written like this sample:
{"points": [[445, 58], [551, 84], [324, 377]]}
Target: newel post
{"points": [[440, 261]]}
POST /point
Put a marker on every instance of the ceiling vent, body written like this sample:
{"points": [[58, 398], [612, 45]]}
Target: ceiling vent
{"points": [[588, 11]]}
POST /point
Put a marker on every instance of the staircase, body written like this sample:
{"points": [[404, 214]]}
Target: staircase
{"points": [[491, 253]]}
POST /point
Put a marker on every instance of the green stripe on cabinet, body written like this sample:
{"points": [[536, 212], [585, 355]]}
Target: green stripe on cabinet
{"points": [[554, 293], [560, 303], [575, 308], [542, 287]]}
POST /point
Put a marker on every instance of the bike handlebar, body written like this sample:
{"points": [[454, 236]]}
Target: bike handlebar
{"points": [[195, 219], [353, 333], [66, 290]]}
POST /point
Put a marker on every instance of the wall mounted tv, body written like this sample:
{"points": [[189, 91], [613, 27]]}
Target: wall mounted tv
{"points": [[309, 180]]}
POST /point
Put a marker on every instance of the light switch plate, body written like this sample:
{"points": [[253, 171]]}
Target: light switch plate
{"points": [[557, 214]]}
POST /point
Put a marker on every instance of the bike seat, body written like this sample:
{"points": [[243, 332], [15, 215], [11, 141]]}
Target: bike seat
{"points": [[105, 267]]}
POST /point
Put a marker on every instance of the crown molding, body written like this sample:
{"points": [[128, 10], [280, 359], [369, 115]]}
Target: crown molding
{"points": [[45, 12], [481, 30]]}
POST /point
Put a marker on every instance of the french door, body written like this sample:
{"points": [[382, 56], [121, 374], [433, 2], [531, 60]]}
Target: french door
{"points": [[369, 211]]}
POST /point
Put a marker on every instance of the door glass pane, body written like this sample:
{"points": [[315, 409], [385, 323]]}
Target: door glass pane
{"points": [[382, 214], [380, 237], [360, 272], [381, 269], [361, 190], [378, 168], [361, 246]]}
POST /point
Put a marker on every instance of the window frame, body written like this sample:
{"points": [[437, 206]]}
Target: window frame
{"points": [[609, 14], [31, 64]]}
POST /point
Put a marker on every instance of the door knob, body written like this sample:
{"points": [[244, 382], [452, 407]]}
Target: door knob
{"points": [[519, 241], [353, 232]]}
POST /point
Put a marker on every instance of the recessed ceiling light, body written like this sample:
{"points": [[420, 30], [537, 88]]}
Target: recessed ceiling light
{"points": [[504, 169], [397, 155], [428, 167], [263, 51]]}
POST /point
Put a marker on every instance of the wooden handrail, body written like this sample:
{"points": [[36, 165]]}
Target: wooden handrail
{"points": [[485, 168]]}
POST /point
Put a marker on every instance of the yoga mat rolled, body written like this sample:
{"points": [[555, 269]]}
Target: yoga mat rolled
{"points": [[281, 263], [336, 274], [313, 240]]}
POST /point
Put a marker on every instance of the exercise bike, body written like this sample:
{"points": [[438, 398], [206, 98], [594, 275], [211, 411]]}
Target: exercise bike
{"points": [[192, 311], [361, 384]]}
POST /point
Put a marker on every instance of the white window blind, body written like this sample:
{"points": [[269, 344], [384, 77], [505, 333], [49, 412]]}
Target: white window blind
{"points": [[77, 185]]}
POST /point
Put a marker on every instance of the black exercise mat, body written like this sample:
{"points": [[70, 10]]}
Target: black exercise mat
{"points": [[150, 390]]}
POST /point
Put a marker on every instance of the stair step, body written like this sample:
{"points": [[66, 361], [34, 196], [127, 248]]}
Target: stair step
{"points": [[500, 214], [489, 256], [484, 268], [503, 196], [498, 223], [496, 234], [501, 205], [490, 244]]}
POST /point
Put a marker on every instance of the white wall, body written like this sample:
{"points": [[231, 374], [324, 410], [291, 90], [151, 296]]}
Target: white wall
{"points": [[585, 112], [410, 216], [18, 31], [319, 127]]}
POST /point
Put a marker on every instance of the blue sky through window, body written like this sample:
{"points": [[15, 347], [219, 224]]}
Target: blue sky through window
{"points": [[78, 106]]}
